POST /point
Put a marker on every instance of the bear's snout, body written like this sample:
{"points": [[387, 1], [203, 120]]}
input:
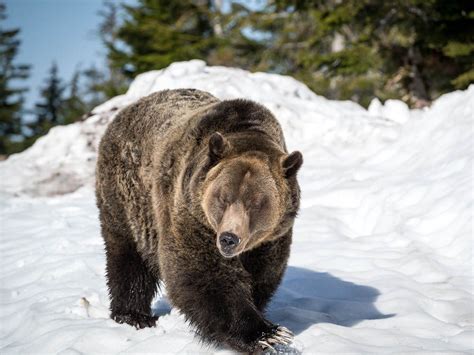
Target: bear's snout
{"points": [[228, 241]]}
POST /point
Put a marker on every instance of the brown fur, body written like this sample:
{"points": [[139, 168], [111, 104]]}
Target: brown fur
{"points": [[168, 185]]}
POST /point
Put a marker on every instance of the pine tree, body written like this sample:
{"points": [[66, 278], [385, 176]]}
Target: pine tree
{"points": [[412, 49], [157, 33], [11, 98], [74, 107], [98, 88], [49, 111], [111, 81]]}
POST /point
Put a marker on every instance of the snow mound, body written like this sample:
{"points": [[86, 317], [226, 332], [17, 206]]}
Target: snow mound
{"points": [[382, 253], [64, 159]]}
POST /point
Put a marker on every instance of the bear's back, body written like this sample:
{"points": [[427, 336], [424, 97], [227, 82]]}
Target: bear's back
{"points": [[154, 115]]}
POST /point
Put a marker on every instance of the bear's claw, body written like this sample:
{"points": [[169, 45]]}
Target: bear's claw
{"points": [[139, 321], [280, 336]]}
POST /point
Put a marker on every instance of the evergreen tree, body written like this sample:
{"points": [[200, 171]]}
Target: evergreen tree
{"points": [[62, 103], [11, 98], [160, 32], [157, 33], [49, 111], [74, 107], [111, 81], [98, 87], [412, 49]]}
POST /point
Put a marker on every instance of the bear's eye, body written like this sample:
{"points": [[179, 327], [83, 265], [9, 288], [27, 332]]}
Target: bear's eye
{"points": [[259, 203]]}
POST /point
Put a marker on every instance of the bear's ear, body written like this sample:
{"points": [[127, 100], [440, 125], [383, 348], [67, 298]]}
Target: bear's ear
{"points": [[218, 146], [291, 163]]}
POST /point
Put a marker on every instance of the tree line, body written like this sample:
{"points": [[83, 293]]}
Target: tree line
{"points": [[412, 50]]}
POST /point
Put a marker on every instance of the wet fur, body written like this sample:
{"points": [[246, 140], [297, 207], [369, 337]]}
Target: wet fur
{"points": [[153, 161]]}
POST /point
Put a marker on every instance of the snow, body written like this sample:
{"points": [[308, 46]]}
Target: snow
{"points": [[383, 246]]}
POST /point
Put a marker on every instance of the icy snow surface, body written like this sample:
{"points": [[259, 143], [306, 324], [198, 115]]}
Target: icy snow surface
{"points": [[382, 254]]}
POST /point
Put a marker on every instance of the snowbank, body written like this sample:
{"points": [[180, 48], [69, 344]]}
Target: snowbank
{"points": [[64, 159], [382, 257]]}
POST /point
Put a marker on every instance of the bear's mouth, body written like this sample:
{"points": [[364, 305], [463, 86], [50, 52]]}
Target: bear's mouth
{"points": [[228, 255]]}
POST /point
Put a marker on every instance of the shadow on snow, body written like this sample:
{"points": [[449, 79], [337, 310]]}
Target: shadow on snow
{"points": [[306, 297]]}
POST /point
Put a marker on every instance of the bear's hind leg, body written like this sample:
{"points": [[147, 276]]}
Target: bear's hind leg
{"points": [[131, 284]]}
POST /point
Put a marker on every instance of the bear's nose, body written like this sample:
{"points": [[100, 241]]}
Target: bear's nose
{"points": [[228, 241]]}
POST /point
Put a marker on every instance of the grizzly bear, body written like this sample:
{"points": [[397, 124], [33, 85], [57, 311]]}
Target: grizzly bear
{"points": [[201, 194]]}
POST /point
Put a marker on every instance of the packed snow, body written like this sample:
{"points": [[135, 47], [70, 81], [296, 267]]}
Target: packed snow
{"points": [[382, 255]]}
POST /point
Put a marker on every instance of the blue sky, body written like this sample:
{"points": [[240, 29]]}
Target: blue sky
{"points": [[55, 30]]}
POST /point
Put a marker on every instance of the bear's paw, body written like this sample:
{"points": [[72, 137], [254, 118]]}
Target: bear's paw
{"points": [[136, 320], [277, 342]]}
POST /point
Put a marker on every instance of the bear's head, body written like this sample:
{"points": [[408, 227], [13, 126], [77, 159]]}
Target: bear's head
{"points": [[246, 196]]}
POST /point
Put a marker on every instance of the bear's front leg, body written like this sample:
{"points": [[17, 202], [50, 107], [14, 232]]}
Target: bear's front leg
{"points": [[214, 294], [131, 284], [267, 264]]}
